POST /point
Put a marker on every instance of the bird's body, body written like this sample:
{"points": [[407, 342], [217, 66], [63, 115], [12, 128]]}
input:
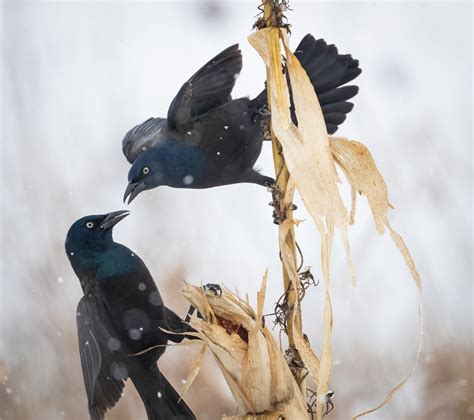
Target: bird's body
{"points": [[121, 314], [209, 139]]}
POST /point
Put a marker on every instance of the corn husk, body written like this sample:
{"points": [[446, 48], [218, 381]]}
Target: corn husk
{"points": [[311, 157], [247, 354]]}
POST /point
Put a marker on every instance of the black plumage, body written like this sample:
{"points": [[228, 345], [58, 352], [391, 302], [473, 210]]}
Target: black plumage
{"points": [[209, 139], [120, 316]]}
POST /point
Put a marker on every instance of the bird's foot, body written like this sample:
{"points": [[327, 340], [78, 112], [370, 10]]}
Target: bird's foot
{"points": [[328, 400], [212, 288], [264, 111], [207, 288], [264, 116], [279, 211]]}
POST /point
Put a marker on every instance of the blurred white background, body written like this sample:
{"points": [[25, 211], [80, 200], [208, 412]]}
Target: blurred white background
{"points": [[77, 75]]}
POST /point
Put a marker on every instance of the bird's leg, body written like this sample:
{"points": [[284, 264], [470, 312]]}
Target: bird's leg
{"points": [[190, 313]]}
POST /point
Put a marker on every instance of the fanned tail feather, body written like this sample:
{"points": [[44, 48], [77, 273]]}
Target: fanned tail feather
{"points": [[328, 71]]}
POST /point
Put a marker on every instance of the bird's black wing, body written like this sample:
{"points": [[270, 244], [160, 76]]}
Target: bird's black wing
{"points": [[142, 137], [208, 88], [329, 71], [101, 373]]}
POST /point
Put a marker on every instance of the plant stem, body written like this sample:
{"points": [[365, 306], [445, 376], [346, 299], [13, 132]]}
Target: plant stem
{"points": [[282, 183]]}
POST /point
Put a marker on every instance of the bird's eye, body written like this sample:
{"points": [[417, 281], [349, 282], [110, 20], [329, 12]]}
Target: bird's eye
{"points": [[90, 225], [145, 170]]}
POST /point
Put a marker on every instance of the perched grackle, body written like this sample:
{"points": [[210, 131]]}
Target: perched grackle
{"points": [[209, 139], [121, 314]]}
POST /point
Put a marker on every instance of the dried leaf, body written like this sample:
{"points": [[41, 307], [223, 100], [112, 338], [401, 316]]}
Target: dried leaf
{"points": [[306, 147], [194, 369], [326, 357], [308, 356], [357, 163], [310, 157]]}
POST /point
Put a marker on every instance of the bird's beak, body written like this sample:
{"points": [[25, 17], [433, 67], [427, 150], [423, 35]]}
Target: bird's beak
{"points": [[113, 218], [133, 189]]}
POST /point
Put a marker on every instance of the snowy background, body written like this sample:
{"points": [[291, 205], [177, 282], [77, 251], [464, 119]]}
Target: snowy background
{"points": [[77, 75]]}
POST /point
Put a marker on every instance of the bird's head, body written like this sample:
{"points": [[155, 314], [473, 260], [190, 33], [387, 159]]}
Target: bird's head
{"points": [[92, 231], [146, 173]]}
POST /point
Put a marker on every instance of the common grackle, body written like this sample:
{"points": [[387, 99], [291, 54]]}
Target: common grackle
{"points": [[119, 317], [209, 139]]}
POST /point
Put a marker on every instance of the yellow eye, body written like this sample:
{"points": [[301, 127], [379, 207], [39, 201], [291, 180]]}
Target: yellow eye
{"points": [[89, 225], [145, 170]]}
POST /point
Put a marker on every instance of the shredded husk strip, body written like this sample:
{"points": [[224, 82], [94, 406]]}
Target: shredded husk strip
{"points": [[360, 169], [254, 369], [357, 163], [194, 369], [310, 157]]}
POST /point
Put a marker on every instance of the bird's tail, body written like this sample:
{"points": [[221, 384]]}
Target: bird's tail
{"points": [[161, 400], [328, 71], [175, 408]]}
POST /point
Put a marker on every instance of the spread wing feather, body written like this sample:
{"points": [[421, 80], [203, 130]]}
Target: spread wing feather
{"points": [[208, 88], [142, 137]]}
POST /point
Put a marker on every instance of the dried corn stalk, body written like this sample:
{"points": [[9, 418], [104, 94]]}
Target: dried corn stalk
{"points": [[247, 354], [311, 159], [273, 16]]}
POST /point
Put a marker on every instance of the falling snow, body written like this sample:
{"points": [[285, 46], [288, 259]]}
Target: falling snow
{"points": [[119, 372], [134, 334], [155, 298], [113, 344]]}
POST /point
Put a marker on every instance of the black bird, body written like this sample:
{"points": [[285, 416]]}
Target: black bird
{"points": [[120, 315], [210, 139]]}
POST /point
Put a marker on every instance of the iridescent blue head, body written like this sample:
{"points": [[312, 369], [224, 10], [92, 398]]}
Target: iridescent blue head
{"points": [[92, 232], [146, 173], [173, 164]]}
